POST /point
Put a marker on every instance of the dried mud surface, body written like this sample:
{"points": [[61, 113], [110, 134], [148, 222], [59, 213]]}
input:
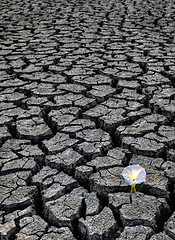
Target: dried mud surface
{"points": [[86, 88]]}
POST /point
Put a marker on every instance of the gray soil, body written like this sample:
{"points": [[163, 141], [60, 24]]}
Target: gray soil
{"points": [[87, 87]]}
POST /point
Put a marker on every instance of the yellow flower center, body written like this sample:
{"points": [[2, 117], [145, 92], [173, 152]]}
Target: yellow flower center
{"points": [[135, 174]]}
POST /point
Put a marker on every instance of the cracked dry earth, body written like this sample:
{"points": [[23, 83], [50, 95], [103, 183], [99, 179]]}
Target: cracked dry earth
{"points": [[86, 88]]}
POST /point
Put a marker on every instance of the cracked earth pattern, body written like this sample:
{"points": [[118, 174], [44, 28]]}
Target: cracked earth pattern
{"points": [[86, 88]]}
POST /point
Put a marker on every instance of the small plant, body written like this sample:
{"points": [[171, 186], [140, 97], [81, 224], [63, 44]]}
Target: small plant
{"points": [[134, 174]]}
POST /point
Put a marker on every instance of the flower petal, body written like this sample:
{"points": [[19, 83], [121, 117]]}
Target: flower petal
{"points": [[137, 182], [128, 180], [142, 175], [126, 171], [136, 167], [135, 172]]}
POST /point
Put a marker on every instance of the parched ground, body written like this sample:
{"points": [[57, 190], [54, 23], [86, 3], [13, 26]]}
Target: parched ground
{"points": [[86, 88]]}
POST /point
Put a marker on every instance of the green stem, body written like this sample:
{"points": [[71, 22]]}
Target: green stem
{"points": [[133, 189]]}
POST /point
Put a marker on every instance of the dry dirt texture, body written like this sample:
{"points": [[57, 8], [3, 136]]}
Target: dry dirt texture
{"points": [[86, 88]]}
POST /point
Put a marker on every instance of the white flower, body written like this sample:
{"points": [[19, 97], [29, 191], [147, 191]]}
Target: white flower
{"points": [[134, 174]]}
